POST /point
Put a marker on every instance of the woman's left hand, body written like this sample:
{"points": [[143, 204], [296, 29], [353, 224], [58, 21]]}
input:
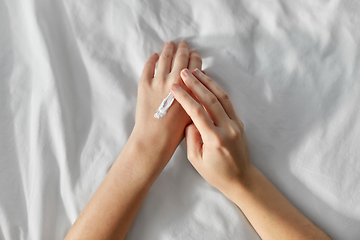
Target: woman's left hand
{"points": [[164, 134]]}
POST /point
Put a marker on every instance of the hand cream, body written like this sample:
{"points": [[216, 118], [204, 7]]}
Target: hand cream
{"points": [[164, 106]]}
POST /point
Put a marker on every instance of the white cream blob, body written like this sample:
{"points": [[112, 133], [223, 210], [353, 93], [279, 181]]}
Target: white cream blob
{"points": [[164, 106]]}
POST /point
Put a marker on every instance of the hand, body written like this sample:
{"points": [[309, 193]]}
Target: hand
{"points": [[168, 131], [216, 141], [145, 154]]}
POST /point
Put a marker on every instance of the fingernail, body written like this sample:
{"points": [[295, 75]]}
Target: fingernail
{"points": [[198, 72], [186, 72], [175, 87]]}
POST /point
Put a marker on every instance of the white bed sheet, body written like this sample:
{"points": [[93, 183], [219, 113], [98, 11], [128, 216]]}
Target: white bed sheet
{"points": [[68, 80]]}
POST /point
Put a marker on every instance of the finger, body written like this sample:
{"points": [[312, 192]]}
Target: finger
{"points": [[149, 67], [218, 92], [194, 61], [195, 111], [206, 97], [181, 57], [164, 66], [194, 145]]}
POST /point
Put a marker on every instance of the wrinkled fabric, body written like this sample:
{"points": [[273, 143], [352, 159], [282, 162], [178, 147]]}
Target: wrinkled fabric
{"points": [[68, 83]]}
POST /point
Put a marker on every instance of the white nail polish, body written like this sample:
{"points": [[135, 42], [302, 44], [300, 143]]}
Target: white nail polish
{"points": [[198, 72], [186, 72]]}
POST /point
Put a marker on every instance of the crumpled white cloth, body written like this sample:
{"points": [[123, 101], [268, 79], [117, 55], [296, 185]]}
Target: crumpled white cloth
{"points": [[68, 83]]}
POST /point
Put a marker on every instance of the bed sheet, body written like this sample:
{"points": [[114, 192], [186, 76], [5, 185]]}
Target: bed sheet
{"points": [[68, 78]]}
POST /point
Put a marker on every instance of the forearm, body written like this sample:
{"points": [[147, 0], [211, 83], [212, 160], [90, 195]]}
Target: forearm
{"points": [[270, 213], [111, 210]]}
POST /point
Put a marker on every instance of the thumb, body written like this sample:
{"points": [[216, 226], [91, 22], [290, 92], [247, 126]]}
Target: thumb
{"points": [[194, 145]]}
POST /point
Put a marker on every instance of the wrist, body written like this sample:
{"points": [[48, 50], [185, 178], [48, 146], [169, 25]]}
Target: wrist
{"points": [[246, 184], [140, 161], [147, 153], [155, 142]]}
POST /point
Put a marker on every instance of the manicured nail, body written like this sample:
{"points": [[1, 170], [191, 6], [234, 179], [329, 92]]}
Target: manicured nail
{"points": [[198, 72], [175, 87], [186, 72]]}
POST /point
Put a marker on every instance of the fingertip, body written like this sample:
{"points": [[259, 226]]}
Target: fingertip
{"points": [[185, 72], [153, 57], [175, 87], [198, 73], [170, 43], [184, 43], [193, 52]]}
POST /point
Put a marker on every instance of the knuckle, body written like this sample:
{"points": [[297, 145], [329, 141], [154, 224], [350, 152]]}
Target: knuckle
{"points": [[235, 134], [229, 136], [210, 98], [197, 111], [219, 140], [242, 127], [177, 81], [166, 56], [195, 82], [192, 83], [207, 80], [224, 95], [157, 84], [182, 54], [142, 86], [241, 123]]}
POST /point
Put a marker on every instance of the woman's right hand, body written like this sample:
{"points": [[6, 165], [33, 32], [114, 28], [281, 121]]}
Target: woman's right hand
{"points": [[218, 150], [216, 141]]}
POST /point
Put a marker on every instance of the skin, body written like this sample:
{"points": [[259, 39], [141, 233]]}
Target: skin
{"points": [[216, 146], [111, 210]]}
